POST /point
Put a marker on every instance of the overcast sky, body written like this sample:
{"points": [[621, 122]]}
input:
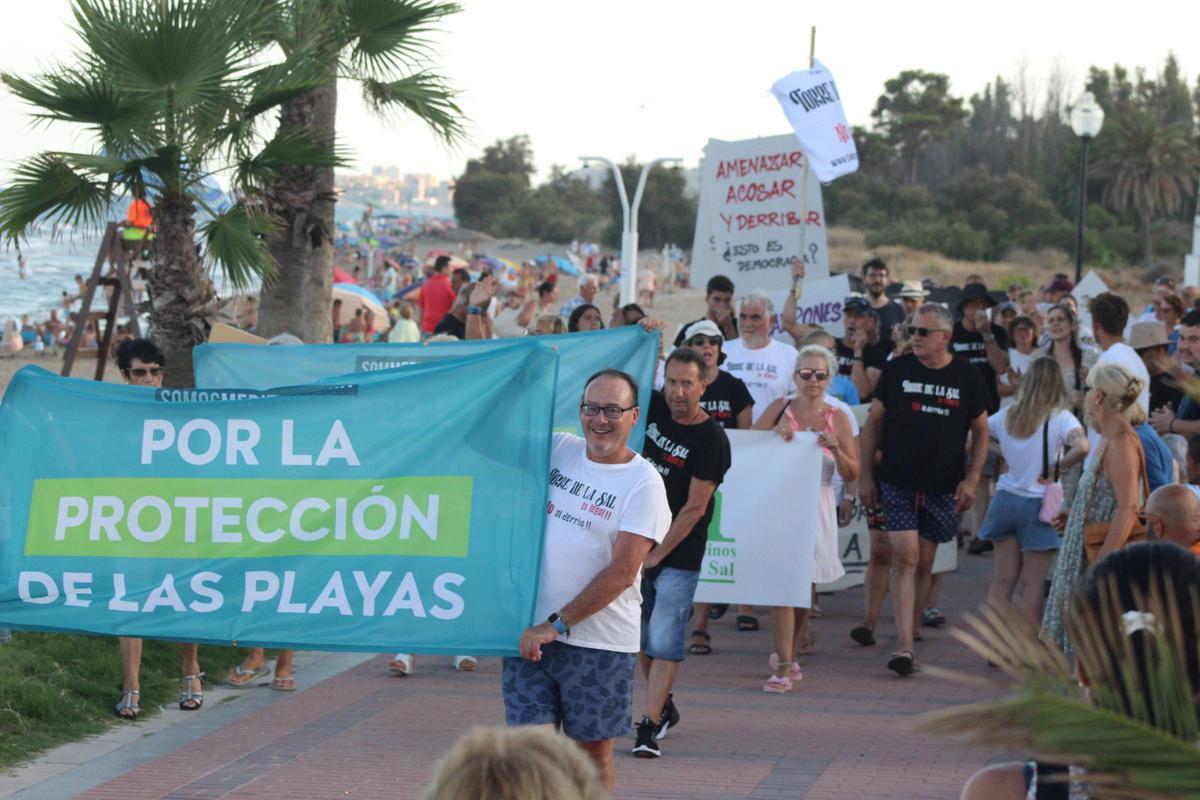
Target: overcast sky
{"points": [[660, 77]]}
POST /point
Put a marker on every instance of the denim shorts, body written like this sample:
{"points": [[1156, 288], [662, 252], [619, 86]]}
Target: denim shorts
{"points": [[1011, 515], [667, 595], [933, 516], [588, 692]]}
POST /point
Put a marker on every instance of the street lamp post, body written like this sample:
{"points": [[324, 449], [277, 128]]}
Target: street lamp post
{"points": [[1087, 117], [629, 233]]}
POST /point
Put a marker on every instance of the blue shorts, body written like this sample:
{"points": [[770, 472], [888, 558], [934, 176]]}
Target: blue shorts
{"points": [[667, 595], [588, 692], [932, 516], [1011, 515]]}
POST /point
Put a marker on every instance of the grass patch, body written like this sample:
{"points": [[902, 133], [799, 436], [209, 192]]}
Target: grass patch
{"points": [[57, 688]]}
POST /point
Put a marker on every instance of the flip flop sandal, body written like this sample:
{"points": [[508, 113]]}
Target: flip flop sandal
{"points": [[238, 678], [717, 611], [863, 635], [402, 665], [189, 700], [902, 663], [287, 684], [129, 703], [745, 623], [698, 649]]}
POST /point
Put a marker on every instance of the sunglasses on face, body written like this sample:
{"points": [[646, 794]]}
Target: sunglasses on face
{"points": [[699, 340], [141, 372], [812, 374], [610, 412], [913, 330]]}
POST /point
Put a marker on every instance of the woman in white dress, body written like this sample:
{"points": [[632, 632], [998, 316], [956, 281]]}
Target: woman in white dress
{"points": [[808, 410]]}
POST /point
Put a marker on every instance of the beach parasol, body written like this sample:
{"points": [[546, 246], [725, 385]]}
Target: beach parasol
{"points": [[341, 276], [354, 297]]}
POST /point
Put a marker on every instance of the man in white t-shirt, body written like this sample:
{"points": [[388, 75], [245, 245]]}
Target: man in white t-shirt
{"points": [[605, 508], [764, 364], [1110, 314]]}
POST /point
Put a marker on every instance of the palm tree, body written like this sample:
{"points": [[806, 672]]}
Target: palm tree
{"points": [[1149, 165], [1136, 730], [381, 45], [172, 93]]}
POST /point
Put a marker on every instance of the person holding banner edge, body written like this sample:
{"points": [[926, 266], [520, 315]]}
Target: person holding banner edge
{"points": [[606, 508], [928, 402], [142, 364]]}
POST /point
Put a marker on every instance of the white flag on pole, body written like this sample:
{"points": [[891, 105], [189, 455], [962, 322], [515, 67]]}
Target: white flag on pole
{"points": [[813, 106]]}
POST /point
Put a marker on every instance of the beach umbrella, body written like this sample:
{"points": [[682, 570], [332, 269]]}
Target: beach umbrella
{"points": [[455, 261], [341, 276], [354, 297], [561, 264]]}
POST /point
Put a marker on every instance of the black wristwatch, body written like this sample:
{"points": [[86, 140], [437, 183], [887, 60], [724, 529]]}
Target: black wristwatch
{"points": [[560, 624]]}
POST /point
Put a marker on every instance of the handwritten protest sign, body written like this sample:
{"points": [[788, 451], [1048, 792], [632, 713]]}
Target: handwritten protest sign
{"points": [[820, 304], [749, 223], [813, 106], [757, 551], [1091, 285], [397, 510], [629, 348]]}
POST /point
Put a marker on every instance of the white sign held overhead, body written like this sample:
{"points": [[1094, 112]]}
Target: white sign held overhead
{"points": [[813, 106], [751, 219], [820, 304], [1091, 285]]}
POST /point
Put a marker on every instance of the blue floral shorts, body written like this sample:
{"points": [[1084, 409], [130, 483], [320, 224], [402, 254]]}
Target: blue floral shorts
{"points": [[588, 691]]}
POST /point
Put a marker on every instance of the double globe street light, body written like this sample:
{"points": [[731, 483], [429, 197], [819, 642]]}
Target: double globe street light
{"points": [[1087, 117]]}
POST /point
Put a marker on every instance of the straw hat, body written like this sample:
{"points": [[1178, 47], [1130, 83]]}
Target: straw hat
{"points": [[912, 289]]}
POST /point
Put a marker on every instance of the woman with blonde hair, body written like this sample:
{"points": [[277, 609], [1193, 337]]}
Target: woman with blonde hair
{"points": [[1031, 435], [808, 410], [1107, 500], [528, 763]]}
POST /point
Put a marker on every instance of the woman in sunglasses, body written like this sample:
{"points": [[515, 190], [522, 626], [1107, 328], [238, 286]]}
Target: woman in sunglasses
{"points": [[807, 410], [1110, 493]]}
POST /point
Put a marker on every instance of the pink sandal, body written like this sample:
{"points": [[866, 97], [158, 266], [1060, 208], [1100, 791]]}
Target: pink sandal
{"points": [[777, 685], [794, 674]]}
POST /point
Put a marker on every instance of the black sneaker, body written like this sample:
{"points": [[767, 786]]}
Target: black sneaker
{"points": [[978, 546], [647, 740], [669, 718]]}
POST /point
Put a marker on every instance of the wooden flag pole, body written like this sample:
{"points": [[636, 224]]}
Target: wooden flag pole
{"points": [[812, 54]]}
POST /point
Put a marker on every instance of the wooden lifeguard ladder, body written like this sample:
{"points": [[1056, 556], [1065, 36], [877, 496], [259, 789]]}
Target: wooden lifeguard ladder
{"points": [[113, 254]]}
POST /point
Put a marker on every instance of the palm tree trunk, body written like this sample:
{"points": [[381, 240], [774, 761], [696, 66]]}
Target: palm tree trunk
{"points": [[183, 302], [298, 297], [1147, 248]]}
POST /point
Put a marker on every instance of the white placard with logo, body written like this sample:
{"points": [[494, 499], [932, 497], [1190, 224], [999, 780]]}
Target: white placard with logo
{"points": [[748, 225], [813, 106], [761, 539]]}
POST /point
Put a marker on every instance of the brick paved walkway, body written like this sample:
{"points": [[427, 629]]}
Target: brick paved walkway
{"points": [[846, 733]]}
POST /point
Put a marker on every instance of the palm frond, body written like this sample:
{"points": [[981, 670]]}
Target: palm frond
{"points": [[84, 98], [425, 96], [275, 84], [388, 36], [234, 241], [48, 189], [179, 50], [285, 150], [1134, 731]]}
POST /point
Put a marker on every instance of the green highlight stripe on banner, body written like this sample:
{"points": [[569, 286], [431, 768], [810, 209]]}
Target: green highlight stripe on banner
{"points": [[210, 518]]}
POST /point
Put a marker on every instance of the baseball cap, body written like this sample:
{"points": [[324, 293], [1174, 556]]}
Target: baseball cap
{"points": [[859, 305], [704, 326]]}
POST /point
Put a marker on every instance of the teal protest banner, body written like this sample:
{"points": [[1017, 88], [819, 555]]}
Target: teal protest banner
{"points": [[250, 366], [351, 515]]}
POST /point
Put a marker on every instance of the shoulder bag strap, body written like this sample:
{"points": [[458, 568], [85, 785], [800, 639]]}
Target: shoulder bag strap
{"points": [[1046, 451]]}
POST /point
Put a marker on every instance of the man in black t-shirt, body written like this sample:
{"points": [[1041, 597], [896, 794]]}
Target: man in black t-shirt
{"points": [[859, 360], [726, 398], [876, 279], [718, 295], [691, 452], [982, 343], [927, 404]]}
